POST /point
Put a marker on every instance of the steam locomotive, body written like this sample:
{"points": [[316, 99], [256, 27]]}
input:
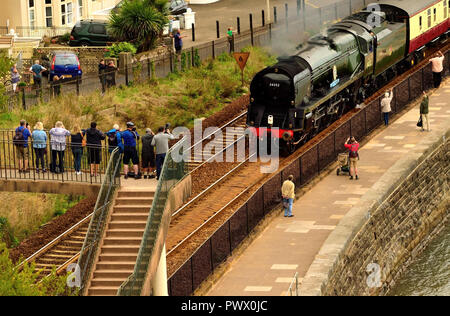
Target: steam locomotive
{"points": [[332, 73]]}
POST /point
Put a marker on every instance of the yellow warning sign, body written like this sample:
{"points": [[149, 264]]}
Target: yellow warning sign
{"points": [[241, 59]]}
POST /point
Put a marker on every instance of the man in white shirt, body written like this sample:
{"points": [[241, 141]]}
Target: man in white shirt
{"points": [[437, 67]]}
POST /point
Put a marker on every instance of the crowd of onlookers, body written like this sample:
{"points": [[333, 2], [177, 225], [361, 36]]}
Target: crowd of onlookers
{"points": [[60, 140]]}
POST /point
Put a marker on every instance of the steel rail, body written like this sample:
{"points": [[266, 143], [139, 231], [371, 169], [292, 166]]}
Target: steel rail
{"points": [[54, 241], [218, 212]]}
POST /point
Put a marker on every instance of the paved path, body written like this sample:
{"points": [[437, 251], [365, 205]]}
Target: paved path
{"points": [[289, 245], [227, 11]]}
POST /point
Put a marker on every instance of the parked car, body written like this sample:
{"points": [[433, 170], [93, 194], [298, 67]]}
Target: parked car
{"points": [[90, 33], [178, 7], [63, 64]]}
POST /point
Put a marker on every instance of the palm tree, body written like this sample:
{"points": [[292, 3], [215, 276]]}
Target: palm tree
{"points": [[140, 22]]}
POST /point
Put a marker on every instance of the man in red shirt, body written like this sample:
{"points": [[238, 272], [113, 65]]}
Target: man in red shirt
{"points": [[352, 145]]}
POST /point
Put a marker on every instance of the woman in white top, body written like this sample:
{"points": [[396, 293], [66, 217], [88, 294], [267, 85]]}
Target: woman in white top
{"points": [[386, 106]]}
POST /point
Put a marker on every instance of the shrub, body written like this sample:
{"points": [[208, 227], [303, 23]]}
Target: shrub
{"points": [[122, 47], [24, 282]]}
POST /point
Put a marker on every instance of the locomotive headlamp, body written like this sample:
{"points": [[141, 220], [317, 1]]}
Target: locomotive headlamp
{"points": [[287, 136], [270, 120], [292, 102], [252, 100]]}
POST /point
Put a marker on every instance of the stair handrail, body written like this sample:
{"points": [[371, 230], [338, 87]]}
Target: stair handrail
{"points": [[171, 174], [100, 214]]}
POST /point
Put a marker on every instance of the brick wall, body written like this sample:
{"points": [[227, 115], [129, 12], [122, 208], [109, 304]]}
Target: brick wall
{"points": [[407, 208]]}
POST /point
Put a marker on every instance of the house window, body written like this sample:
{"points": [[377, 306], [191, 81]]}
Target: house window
{"points": [[66, 13], [80, 9], [48, 1], [48, 16], [31, 15]]}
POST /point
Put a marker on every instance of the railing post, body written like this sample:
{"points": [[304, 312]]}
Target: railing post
{"points": [[213, 50], [217, 29], [126, 73], [286, 15], [193, 32], [239, 25], [251, 28], [23, 99], [78, 85], [263, 18]]}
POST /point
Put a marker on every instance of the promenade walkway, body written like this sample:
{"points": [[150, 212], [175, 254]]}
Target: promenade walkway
{"points": [[289, 245]]}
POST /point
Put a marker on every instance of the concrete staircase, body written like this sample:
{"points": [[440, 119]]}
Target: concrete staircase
{"points": [[120, 245]]}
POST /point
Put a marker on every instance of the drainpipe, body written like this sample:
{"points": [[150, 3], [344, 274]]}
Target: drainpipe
{"points": [[159, 282]]}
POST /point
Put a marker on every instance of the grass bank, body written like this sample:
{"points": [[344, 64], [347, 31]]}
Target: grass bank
{"points": [[22, 214], [177, 99]]}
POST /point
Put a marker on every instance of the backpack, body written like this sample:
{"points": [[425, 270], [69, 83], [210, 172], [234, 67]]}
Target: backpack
{"points": [[353, 154], [18, 139], [112, 139]]}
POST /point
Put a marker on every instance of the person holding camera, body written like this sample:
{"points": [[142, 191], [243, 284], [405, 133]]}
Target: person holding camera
{"points": [[161, 142], [352, 145], [128, 147]]}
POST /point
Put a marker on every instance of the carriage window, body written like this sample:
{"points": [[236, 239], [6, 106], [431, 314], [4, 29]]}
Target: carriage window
{"points": [[420, 22], [429, 18], [445, 9], [435, 14]]}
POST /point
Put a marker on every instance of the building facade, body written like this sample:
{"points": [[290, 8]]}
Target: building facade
{"points": [[49, 17]]}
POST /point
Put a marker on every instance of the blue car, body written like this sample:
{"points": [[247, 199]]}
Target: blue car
{"points": [[64, 65]]}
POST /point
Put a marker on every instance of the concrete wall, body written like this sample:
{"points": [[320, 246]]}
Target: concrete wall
{"points": [[85, 189], [178, 196], [393, 223]]}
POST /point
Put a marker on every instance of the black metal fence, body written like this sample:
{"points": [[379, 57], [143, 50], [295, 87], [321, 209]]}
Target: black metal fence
{"points": [[223, 241]]}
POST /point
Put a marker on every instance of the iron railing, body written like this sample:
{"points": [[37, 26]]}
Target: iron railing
{"points": [[293, 287], [100, 215], [172, 173]]}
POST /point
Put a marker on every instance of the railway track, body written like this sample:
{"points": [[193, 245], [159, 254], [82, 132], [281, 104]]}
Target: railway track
{"points": [[61, 251], [198, 158]]}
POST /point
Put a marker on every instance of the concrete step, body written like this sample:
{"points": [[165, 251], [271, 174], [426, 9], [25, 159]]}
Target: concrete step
{"points": [[115, 265], [118, 257], [102, 290], [107, 282], [134, 201], [129, 217], [133, 241], [138, 194], [125, 233], [131, 209], [110, 273], [127, 225], [119, 249]]}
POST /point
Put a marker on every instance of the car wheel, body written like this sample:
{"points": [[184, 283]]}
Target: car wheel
{"points": [[84, 44]]}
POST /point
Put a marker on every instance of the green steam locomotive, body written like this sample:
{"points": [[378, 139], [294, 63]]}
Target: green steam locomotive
{"points": [[332, 73]]}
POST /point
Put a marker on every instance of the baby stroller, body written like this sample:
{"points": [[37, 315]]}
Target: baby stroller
{"points": [[343, 163]]}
